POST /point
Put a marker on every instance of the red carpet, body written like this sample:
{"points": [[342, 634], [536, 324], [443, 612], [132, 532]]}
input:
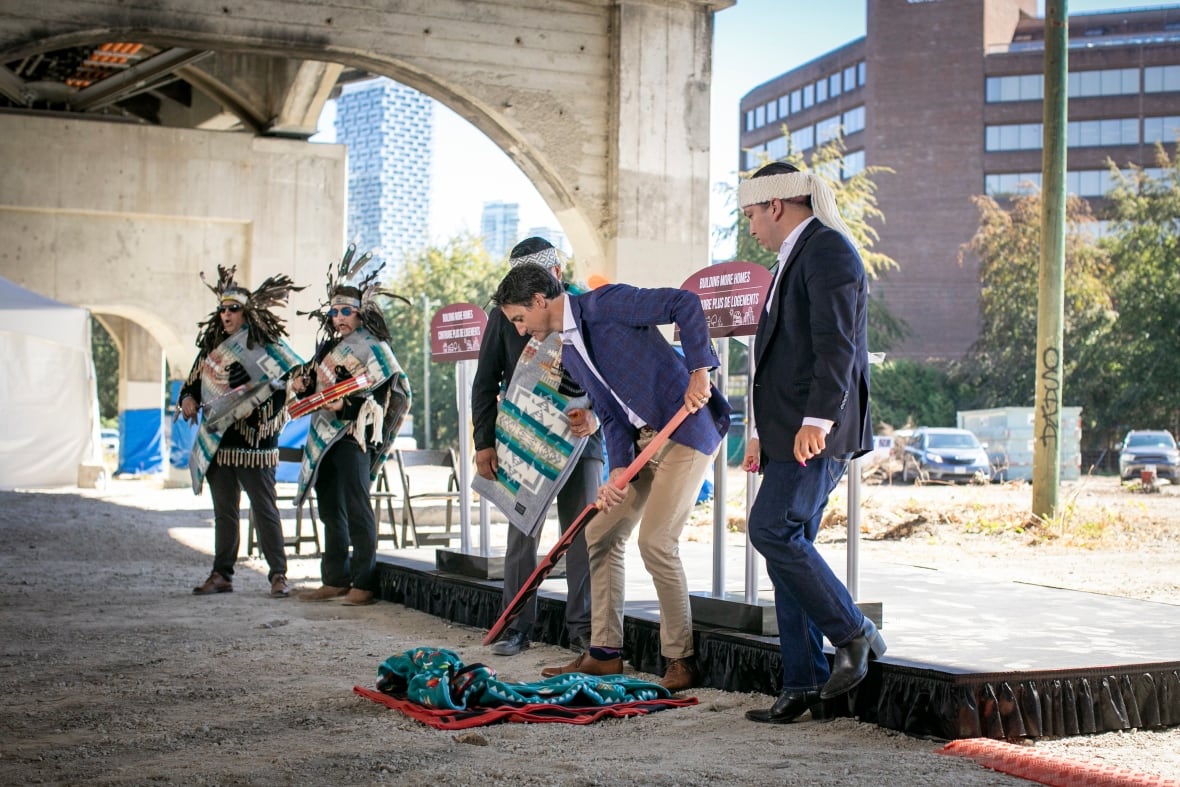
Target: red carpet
{"points": [[446, 719]]}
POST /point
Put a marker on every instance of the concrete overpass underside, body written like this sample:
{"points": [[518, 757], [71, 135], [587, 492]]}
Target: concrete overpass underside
{"points": [[121, 182]]}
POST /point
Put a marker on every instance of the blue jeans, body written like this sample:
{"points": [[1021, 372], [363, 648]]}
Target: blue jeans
{"points": [[810, 601]]}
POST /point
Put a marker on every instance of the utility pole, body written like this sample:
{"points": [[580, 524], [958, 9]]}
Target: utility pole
{"points": [[1051, 290]]}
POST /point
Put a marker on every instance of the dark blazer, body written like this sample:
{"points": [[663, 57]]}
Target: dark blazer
{"points": [[499, 350], [811, 349], [618, 325]]}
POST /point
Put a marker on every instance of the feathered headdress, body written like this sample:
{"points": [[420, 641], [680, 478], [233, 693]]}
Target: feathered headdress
{"points": [[264, 326], [354, 282]]}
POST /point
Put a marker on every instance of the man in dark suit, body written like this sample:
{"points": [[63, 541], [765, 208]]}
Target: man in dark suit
{"points": [[498, 353], [811, 416], [637, 382]]}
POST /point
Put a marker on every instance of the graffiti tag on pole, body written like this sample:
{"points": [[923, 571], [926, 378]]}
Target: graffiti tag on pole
{"points": [[1051, 404]]}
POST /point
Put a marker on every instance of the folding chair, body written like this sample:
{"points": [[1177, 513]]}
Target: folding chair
{"points": [[285, 492], [429, 462], [383, 493]]}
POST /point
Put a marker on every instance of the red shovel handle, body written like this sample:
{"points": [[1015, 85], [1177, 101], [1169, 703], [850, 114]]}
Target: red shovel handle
{"points": [[516, 606]]}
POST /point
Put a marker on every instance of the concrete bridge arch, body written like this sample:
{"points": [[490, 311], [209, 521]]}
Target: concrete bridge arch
{"points": [[603, 104]]}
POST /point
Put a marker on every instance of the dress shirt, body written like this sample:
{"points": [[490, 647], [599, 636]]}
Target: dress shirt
{"points": [[572, 336], [784, 253]]}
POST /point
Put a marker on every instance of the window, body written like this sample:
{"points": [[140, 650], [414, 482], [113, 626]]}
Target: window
{"points": [[796, 101], [750, 120], [860, 73], [754, 156], [1161, 129], [803, 138], [1097, 133], [1161, 79], [759, 116], [776, 149], [849, 78], [854, 120], [1010, 184], [1108, 82], [854, 163], [827, 129], [834, 85], [772, 111], [1021, 87], [784, 106], [821, 90], [808, 96], [828, 169], [1017, 136]]}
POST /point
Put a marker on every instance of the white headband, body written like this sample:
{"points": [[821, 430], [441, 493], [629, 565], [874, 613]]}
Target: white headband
{"points": [[755, 191], [546, 258]]}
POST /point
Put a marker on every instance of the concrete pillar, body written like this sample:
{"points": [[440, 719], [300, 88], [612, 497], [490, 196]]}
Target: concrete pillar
{"points": [[661, 183]]}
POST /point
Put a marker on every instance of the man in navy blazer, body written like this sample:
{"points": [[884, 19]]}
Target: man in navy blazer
{"points": [[636, 382], [811, 416]]}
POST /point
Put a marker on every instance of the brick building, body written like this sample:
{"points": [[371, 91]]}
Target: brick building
{"points": [[948, 93]]}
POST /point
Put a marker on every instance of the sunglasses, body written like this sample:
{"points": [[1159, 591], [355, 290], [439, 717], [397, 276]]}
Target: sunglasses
{"points": [[345, 311], [232, 308]]}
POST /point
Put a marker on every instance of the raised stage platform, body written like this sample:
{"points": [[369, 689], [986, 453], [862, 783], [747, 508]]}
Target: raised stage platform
{"points": [[966, 658]]}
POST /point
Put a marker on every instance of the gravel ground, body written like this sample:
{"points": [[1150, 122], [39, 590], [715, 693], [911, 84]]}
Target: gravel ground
{"points": [[116, 674]]}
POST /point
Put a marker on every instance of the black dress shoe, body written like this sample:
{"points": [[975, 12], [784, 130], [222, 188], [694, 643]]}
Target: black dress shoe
{"points": [[512, 643], [789, 706], [851, 664]]}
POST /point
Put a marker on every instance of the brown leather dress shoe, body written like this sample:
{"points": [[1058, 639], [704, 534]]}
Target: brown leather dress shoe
{"points": [[588, 665], [279, 587], [681, 674], [359, 598], [214, 584], [325, 593]]}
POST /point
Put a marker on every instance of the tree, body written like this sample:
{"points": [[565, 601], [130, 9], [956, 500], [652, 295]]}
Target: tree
{"points": [[106, 370], [908, 393], [460, 271], [1000, 368], [1144, 248]]}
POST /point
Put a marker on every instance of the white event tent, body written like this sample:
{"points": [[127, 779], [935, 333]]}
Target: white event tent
{"points": [[48, 392]]}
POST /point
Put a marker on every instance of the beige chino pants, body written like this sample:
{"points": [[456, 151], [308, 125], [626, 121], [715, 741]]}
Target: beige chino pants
{"points": [[659, 500]]}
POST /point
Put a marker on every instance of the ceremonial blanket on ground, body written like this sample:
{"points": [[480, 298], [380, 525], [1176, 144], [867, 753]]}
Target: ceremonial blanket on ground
{"points": [[436, 688], [535, 448]]}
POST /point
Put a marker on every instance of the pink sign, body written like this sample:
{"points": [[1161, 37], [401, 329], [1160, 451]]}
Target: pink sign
{"points": [[456, 331], [733, 295]]}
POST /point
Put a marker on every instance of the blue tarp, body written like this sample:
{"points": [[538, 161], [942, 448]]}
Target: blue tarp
{"points": [[141, 441], [294, 435], [183, 432]]}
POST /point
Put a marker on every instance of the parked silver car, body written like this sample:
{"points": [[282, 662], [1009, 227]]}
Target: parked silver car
{"points": [[1143, 448], [944, 454]]}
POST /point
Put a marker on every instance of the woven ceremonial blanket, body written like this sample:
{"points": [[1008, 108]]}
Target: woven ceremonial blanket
{"points": [[435, 687], [358, 353], [262, 363], [535, 449]]}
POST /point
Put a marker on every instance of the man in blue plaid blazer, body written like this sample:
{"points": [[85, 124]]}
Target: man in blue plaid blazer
{"points": [[636, 381]]}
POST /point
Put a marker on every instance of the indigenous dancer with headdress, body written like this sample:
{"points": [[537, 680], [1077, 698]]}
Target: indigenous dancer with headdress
{"points": [[811, 416], [238, 384], [366, 397]]}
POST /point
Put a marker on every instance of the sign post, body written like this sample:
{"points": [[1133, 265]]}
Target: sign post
{"points": [[733, 296], [455, 335]]}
